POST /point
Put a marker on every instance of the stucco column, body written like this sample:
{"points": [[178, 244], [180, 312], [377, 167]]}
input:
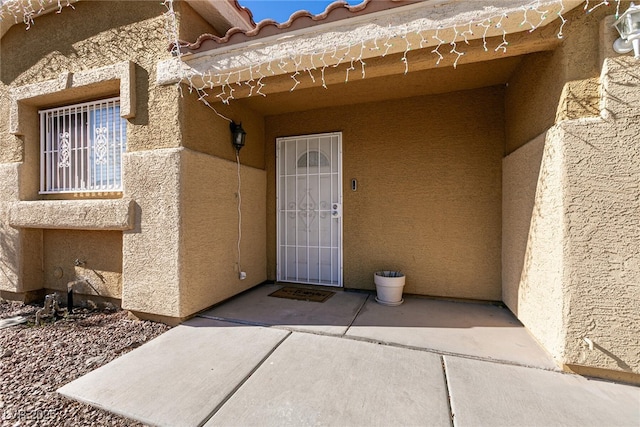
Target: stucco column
{"points": [[20, 249], [602, 217], [181, 256], [533, 265], [571, 265], [150, 266]]}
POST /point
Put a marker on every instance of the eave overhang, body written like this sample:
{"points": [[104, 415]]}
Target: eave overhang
{"points": [[423, 25], [224, 14]]}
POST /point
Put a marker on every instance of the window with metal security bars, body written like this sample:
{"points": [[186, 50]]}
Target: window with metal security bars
{"points": [[81, 148]]}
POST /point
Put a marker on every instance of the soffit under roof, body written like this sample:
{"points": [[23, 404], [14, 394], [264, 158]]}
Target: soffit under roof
{"points": [[224, 14], [419, 83]]}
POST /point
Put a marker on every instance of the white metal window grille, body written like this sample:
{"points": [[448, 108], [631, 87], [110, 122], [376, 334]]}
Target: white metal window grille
{"points": [[81, 148]]}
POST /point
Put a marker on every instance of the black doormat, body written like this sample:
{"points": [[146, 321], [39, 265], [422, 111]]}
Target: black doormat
{"points": [[290, 292]]}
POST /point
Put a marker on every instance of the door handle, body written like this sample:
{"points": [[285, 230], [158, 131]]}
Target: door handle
{"points": [[336, 210]]}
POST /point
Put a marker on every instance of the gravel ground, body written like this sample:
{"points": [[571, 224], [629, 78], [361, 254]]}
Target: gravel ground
{"points": [[36, 360]]}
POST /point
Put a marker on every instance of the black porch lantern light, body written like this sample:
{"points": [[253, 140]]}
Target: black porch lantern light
{"points": [[238, 135]]}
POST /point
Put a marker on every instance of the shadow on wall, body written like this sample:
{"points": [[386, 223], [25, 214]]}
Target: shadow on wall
{"points": [[8, 251], [46, 40], [535, 239], [621, 363], [91, 260], [522, 183], [631, 81], [579, 99], [142, 97]]}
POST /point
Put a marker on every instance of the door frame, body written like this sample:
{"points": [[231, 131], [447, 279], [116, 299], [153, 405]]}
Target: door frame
{"points": [[279, 261]]}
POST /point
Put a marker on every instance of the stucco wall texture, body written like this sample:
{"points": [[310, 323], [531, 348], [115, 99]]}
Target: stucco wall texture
{"points": [[205, 132], [20, 249], [415, 164], [209, 219], [573, 273], [533, 266], [181, 255], [209, 270], [602, 217], [104, 33], [556, 85], [99, 255]]}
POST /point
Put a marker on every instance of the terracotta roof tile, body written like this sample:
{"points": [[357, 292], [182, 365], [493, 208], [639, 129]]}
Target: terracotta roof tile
{"points": [[335, 11]]}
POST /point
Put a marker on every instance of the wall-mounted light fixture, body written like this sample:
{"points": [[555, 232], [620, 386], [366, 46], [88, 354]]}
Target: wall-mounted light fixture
{"points": [[238, 135], [628, 25]]}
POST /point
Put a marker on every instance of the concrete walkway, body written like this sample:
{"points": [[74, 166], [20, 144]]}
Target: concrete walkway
{"points": [[265, 361]]}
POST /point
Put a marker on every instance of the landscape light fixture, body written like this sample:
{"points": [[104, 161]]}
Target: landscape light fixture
{"points": [[628, 25], [238, 135]]}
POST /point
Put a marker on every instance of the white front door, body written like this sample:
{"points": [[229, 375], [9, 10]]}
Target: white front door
{"points": [[309, 200]]}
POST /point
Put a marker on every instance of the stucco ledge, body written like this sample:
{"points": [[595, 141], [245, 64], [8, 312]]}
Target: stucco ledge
{"points": [[95, 81], [114, 214]]}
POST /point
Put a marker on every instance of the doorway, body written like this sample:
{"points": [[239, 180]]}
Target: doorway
{"points": [[309, 203]]}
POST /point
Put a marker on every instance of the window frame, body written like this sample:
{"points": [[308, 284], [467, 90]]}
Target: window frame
{"points": [[83, 158]]}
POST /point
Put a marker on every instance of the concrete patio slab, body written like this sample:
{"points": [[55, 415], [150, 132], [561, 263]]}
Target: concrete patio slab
{"points": [[322, 380], [477, 330], [181, 377], [484, 393], [236, 373], [255, 307]]}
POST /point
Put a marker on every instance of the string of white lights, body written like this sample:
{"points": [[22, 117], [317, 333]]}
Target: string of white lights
{"points": [[534, 15], [402, 40], [591, 9], [437, 48], [28, 11], [454, 46]]}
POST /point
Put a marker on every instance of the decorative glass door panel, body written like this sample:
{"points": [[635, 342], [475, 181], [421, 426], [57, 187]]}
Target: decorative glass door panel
{"points": [[309, 201]]}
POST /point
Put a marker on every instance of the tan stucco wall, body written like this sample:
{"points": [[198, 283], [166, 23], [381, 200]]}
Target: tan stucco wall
{"points": [[180, 257], [100, 256], [99, 34], [533, 266], [602, 216], [574, 272], [151, 269], [104, 33], [556, 85], [520, 175], [109, 214], [204, 131], [209, 220], [20, 250], [208, 205], [172, 260], [190, 24], [415, 164], [570, 207]]}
